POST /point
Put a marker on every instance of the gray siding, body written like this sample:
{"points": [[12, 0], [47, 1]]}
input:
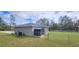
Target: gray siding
{"points": [[46, 30], [29, 30], [26, 31]]}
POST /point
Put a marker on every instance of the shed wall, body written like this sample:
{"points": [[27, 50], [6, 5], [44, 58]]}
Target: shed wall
{"points": [[29, 30], [46, 30], [26, 31]]}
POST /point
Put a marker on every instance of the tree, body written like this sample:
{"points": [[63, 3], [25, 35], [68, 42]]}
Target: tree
{"points": [[3, 24], [43, 22], [1, 21], [66, 23], [76, 25], [53, 25], [12, 21]]}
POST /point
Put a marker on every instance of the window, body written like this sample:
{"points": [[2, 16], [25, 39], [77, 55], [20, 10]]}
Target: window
{"points": [[37, 32]]}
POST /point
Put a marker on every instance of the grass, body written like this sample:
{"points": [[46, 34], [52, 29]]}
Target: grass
{"points": [[56, 39]]}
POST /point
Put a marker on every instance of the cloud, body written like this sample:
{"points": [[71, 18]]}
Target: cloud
{"points": [[33, 16]]}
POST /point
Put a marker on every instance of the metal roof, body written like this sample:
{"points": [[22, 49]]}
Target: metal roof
{"points": [[29, 25]]}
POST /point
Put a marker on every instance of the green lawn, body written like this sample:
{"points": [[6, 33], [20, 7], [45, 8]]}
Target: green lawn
{"points": [[55, 39]]}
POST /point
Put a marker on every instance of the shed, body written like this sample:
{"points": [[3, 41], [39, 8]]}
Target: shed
{"points": [[31, 29]]}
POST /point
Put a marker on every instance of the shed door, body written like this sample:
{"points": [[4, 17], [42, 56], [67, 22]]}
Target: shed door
{"points": [[37, 32]]}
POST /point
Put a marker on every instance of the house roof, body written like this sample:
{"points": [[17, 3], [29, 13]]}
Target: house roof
{"points": [[29, 25]]}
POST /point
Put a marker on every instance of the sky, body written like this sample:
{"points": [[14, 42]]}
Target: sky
{"points": [[23, 17]]}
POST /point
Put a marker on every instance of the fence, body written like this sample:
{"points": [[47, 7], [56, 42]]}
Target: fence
{"points": [[65, 36]]}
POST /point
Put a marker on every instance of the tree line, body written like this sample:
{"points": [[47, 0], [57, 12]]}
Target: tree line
{"points": [[5, 26], [65, 23]]}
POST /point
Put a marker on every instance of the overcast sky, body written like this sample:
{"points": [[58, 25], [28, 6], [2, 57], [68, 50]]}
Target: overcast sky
{"points": [[22, 17]]}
